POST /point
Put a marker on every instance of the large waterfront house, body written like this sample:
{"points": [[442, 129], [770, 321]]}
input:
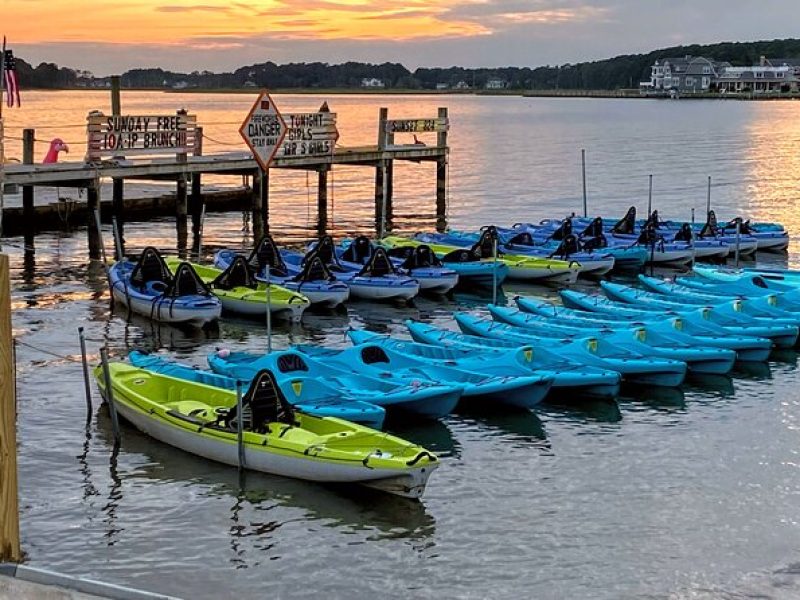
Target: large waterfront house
{"points": [[696, 74]]}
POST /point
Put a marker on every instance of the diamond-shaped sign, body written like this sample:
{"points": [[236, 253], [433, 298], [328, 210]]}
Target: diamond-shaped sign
{"points": [[263, 129]]}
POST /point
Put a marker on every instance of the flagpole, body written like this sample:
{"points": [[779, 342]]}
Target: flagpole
{"points": [[2, 76]]}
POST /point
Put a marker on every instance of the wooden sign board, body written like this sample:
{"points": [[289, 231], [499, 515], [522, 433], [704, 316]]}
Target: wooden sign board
{"points": [[263, 129], [417, 125], [126, 135], [309, 134]]}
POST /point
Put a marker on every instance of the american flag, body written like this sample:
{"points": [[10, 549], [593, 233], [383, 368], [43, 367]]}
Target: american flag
{"points": [[11, 84]]}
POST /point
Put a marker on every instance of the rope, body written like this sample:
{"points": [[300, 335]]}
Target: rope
{"points": [[50, 352], [221, 143]]}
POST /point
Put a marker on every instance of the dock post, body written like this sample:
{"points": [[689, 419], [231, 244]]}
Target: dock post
{"points": [[260, 203], [28, 137], [92, 206], [383, 116], [118, 184], [10, 550], [708, 197], [196, 199], [322, 198], [441, 177], [181, 200], [583, 177]]}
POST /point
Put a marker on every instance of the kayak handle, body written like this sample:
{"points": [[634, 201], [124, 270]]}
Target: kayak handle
{"points": [[420, 456]]}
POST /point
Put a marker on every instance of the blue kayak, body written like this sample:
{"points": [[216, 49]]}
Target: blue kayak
{"points": [[643, 339], [572, 379], [149, 288], [417, 397], [678, 328], [307, 394], [633, 366], [506, 384], [782, 333]]}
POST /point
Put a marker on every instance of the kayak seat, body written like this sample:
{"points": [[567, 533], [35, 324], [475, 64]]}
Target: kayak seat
{"points": [[267, 256], [314, 270], [237, 274], [359, 251], [186, 283], [521, 239], [266, 402], [291, 363], [150, 267], [373, 354], [378, 266]]}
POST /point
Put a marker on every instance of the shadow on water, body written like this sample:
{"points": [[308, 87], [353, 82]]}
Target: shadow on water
{"points": [[582, 409], [140, 333], [335, 505], [751, 370], [515, 425], [430, 434], [711, 384], [785, 357], [657, 397]]}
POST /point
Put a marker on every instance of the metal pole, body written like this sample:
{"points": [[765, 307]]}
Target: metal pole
{"points": [[239, 424], [708, 197], [87, 387], [650, 198], [112, 408], [736, 253], [693, 215], [100, 236], [118, 252], [494, 273], [384, 202], [269, 310], [583, 171]]}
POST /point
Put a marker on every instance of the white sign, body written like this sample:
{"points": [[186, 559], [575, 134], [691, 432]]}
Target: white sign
{"points": [[263, 130], [436, 124], [139, 134], [309, 134]]}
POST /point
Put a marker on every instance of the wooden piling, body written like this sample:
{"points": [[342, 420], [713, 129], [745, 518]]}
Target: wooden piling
{"points": [[196, 198], [92, 205], [260, 203], [383, 116], [441, 177], [28, 140], [117, 184], [181, 211], [322, 198], [10, 550]]}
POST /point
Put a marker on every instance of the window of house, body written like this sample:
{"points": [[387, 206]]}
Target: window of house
{"points": [[689, 81], [759, 74], [706, 70], [706, 82]]}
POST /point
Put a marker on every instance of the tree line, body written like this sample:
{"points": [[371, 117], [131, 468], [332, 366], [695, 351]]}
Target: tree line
{"points": [[613, 73]]}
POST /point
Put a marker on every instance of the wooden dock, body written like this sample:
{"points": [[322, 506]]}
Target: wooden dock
{"points": [[186, 164]]}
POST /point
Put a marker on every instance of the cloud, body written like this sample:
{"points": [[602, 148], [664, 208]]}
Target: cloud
{"points": [[192, 8]]}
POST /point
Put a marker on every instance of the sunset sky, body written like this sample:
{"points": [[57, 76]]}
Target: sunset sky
{"points": [[218, 35]]}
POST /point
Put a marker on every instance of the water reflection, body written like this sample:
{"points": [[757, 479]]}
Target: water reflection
{"points": [[658, 397], [521, 426], [433, 435], [711, 384], [754, 371], [583, 409]]}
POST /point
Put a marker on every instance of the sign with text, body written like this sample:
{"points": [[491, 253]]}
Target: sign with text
{"points": [[309, 134], [125, 135], [263, 130], [417, 125]]}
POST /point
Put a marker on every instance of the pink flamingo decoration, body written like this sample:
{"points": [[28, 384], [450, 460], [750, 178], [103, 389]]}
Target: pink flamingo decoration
{"points": [[56, 146]]}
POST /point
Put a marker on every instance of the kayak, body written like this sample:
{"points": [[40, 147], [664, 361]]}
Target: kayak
{"points": [[783, 333], [484, 384], [376, 280], [633, 366], [641, 339], [678, 328], [315, 281], [147, 287], [420, 263], [524, 268], [276, 439], [788, 277], [571, 379], [418, 397], [241, 294], [307, 394]]}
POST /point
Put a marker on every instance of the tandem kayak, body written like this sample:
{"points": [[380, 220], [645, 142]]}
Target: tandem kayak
{"points": [[276, 439]]}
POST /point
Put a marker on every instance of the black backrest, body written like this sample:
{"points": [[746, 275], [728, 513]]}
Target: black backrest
{"points": [[711, 227], [462, 255], [373, 354], [186, 283], [563, 230], [150, 267], [595, 243], [595, 228], [359, 251], [314, 270], [238, 274], [484, 247], [684, 233], [379, 265], [521, 239], [627, 224], [421, 257], [267, 402], [569, 245], [647, 237], [266, 254], [325, 249]]}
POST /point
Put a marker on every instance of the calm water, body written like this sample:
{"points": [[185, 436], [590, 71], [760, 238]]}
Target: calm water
{"points": [[689, 493]]}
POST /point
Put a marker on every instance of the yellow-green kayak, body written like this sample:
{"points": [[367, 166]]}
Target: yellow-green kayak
{"points": [[240, 293], [276, 438], [525, 268]]}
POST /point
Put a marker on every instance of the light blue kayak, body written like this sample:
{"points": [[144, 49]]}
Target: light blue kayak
{"points": [[678, 328], [750, 284], [416, 397], [308, 395], [572, 380], [783, 333], [633, 366], [487, 384], [642, 339]]}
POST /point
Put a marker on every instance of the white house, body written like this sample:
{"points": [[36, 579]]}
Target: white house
{"points": [[496, 84], [372, 82]]}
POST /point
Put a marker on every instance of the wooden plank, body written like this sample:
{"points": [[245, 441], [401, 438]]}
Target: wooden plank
{"points": [[9, 502], [125, 135]]}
